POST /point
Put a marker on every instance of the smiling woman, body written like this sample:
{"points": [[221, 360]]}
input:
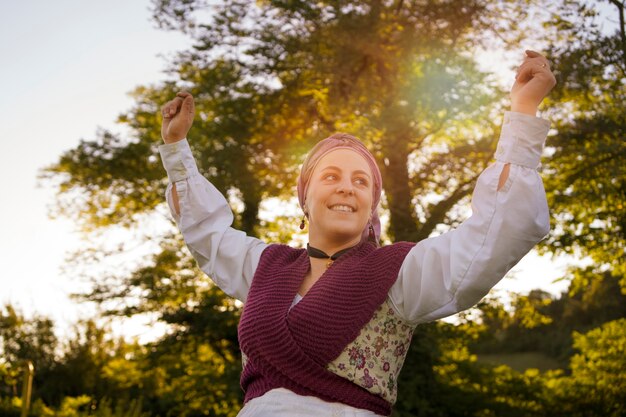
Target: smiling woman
{"points": [[340, 194], [325, 330]]}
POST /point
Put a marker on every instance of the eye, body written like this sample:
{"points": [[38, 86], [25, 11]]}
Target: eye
{"points": [[330, 177], [361, 181]]}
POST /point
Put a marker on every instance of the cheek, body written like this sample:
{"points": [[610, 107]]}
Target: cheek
{"points": [[312, 199], [368, 200]]}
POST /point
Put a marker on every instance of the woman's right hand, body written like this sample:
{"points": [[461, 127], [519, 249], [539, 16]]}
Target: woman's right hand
{"points": [[177, 117]]}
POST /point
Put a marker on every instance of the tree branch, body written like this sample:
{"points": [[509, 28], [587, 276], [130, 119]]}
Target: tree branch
{"points": [[622, 26], [443, 207]]}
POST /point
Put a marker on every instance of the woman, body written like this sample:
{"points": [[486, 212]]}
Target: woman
{"points": [[324, 331]]}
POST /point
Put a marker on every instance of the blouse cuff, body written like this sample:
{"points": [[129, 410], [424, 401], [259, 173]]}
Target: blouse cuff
{"points": [[522, 139], [178, 160]]}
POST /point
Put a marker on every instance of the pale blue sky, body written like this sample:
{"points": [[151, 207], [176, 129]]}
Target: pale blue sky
{"points": [[67, 66]]}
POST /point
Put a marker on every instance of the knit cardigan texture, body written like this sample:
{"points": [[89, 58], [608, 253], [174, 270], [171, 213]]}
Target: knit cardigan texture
{"points": [[290, 349]]}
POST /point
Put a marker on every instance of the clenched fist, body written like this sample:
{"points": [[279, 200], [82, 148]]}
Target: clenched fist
{"points": [[533, 82], [177, 117]]}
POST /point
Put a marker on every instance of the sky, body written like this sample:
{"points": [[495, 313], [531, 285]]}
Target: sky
{"points": [[67, 68]]}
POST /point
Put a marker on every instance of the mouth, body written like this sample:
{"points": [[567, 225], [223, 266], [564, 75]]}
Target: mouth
{"points": [[344, 208]]}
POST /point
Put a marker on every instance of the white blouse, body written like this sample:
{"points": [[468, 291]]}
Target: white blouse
{"points": [[439, 277]]}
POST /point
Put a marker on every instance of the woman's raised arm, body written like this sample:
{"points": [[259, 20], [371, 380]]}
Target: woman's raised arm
{"points": [[202, 213], [177, 116], [452, 272]]}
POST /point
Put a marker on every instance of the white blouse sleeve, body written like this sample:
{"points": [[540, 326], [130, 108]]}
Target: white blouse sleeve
{"points": [[451, 272], [227, 255]]}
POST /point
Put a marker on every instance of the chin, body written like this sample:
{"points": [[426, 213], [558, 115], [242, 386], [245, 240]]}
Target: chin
{"points": [[345, 234]]}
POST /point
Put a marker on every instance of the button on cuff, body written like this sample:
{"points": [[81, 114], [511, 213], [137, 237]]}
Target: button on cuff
{"points": [[178, 160], [522, 139]]}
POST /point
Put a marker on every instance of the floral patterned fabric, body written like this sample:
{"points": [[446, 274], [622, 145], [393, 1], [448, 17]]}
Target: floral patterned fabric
{"points": [[374, 359]]}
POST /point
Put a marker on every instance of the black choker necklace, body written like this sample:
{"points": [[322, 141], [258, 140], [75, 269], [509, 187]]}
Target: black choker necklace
{"points": [[320, 254]]}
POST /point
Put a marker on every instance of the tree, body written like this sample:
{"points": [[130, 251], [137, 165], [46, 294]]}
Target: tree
{"points": [[399, 75], [586, 175], [195, 369], [282, 75], [271, 78], [22, 340], [596, 385], [600, 367]]}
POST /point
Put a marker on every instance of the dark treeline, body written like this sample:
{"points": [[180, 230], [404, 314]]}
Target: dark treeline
{"points": [[197, 373]]}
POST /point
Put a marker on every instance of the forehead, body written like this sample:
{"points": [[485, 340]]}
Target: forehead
{"points": [[345, 159]]}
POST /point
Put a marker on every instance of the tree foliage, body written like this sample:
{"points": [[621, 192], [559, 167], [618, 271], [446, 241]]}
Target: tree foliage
{"points": [[271, 78], [586, 175], [194, 370]]}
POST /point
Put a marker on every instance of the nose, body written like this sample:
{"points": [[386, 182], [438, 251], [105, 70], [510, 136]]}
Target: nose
{"points": [[346, 187]]}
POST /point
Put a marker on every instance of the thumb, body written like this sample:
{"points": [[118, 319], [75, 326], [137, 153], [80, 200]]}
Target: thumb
{"points": [[532, 54]]}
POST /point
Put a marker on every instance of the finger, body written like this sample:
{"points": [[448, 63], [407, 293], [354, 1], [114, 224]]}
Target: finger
{"points": [[165, 110], [184, 101], [188, 106], [522, 69], [528, 71], [533, 56], [536, 56], [518, 72], [172, 107], [523, 76], [539, 64]]}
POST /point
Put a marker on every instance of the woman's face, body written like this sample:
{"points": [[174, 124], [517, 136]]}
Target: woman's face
{"points": [[339, 198]]}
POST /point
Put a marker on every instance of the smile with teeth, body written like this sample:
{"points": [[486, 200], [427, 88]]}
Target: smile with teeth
{"points": [[341, 207]]}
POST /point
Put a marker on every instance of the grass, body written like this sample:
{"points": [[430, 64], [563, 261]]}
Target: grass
{"points": [[521, 361]]}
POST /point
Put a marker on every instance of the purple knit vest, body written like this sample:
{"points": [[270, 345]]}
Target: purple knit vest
{"points": [[291, 349]]}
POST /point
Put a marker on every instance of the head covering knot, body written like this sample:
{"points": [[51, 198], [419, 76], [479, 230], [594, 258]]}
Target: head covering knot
{"points": [[343, 141]]}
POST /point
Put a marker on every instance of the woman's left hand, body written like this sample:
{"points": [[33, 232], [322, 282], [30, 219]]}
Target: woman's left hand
{"points": [[533, 82]]}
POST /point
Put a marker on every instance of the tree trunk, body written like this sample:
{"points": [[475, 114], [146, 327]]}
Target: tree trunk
{"points": [[250, 213], [402, 221]]}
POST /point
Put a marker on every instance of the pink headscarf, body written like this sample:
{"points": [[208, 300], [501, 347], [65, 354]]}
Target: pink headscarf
{"points": [[342, 141]]}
